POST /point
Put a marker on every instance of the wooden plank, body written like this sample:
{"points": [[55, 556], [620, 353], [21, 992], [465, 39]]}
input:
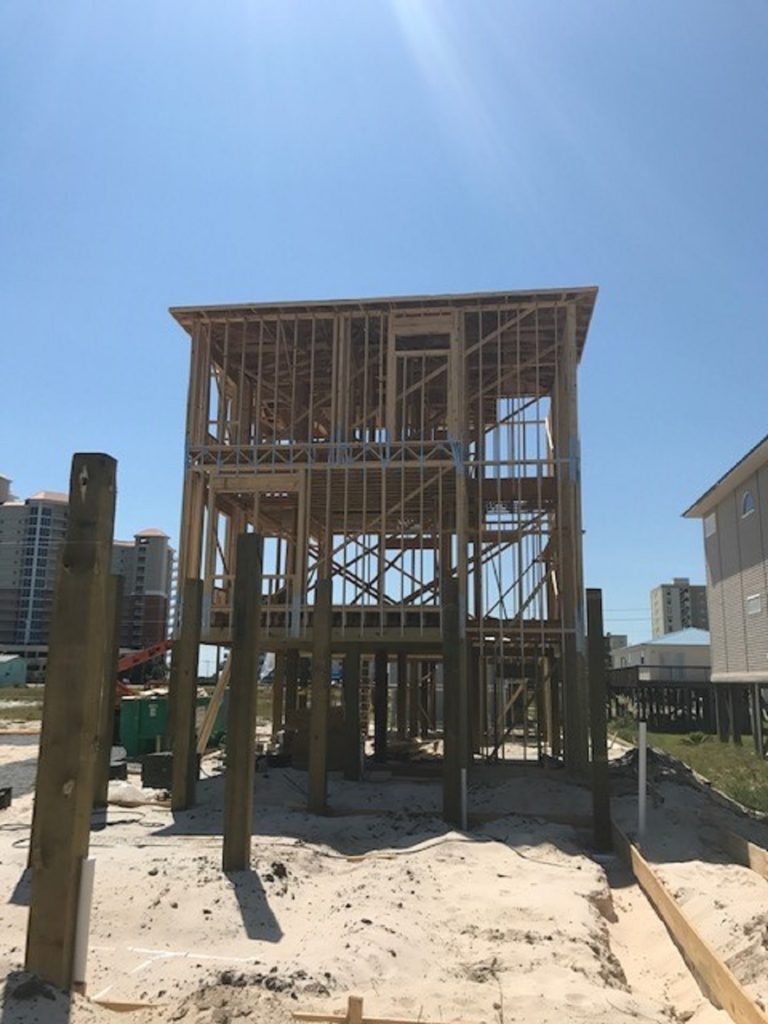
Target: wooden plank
{"points": [[721, 985], [380, 705], [65, 773], [241, 717], [184, 661], [278, 693], [744, 852], [601, 805], [209, 719], [108, 692], [317, 783], [352, 733]]}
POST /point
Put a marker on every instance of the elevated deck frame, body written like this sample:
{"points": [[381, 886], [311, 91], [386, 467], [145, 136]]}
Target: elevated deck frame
{"points": [[390, 444]]}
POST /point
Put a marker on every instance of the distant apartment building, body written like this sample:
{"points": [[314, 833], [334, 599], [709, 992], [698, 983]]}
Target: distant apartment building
{"points": [[31, 533], [678, 605]]}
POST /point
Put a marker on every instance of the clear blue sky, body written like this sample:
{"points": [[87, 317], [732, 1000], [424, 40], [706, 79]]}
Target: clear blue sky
{"points": [[164, 153]]}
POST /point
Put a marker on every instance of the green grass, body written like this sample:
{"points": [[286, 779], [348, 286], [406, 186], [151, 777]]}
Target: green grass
{"points": [[30, 711], [736, 771]]}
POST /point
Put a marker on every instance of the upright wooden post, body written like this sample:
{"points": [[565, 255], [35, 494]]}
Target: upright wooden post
{"points": [[291, 682], [455, 704], [106, 726], [352, 735], [414, 698], [317, 783], [402, 695], [278, 691], [65, 772], [601, 806], [380, 705], [757, 721], [184, 661], [241, 717]]}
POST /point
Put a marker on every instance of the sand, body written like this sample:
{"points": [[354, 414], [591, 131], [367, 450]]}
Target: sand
{"points": [[513, 921]]}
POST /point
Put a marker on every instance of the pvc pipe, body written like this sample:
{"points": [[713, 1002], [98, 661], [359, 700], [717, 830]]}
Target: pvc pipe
{"points": [[83, 923], [464, 799], [642, 774]]}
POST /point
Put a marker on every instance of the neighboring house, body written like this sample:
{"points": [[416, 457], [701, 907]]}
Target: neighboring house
{"points": [[735, 520], [678, 605], [677, 657], [13, 670]]}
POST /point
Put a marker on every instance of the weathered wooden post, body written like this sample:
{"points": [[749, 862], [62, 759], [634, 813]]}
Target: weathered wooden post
{"points": [[106, 723], [184, 662], [320, 697], [601, 806], [241, 717], [455, 705], [65, 773], [353, 738], [380, 705]]}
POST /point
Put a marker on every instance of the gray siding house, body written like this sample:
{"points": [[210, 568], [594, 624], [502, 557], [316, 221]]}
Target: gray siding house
{"points": [[734, 512]]}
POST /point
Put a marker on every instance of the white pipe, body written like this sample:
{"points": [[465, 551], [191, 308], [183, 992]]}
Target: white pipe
{"points": [[464, 799], [642, 774], [83, 924]]}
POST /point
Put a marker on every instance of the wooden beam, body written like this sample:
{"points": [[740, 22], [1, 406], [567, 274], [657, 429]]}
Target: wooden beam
{"points": [[241, 718], [352, 732], [65, 772], [402, 695], [317, 783], [716, 979], [744, 852], [209, 718], [184, 661], [380, 705], [455, 704], [278, 693], [601, 805], [108, 692]]}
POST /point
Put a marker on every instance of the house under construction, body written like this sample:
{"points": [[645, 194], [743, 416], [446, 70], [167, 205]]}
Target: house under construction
{"points": [[419, 453]]}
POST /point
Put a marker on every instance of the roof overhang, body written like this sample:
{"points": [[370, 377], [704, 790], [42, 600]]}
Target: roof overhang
{"points": [[584, 297], [736, 475]]}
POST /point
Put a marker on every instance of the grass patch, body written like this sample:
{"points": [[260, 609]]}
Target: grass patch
{"points": [[736, 771]]}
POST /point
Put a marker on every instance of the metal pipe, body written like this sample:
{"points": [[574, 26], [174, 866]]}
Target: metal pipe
{"points": [[642, 774], [83, 923]]}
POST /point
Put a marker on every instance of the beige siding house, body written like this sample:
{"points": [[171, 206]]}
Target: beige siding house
{"points": [[734, 512]]}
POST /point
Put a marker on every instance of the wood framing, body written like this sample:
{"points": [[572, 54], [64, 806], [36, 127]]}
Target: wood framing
{"points": [[389, 444]]}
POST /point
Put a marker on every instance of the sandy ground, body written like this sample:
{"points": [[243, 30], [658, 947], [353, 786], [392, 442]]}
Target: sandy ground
{"points": [[512, 921]]}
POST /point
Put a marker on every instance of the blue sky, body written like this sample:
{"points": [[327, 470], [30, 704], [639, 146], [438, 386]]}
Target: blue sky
{"points": [[169, 153]]}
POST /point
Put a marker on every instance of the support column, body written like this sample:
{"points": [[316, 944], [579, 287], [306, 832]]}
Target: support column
{"points": [[278, 693], [569, 551], [402, 695], [184, 661], [65, 772], [352, 735], [291, 682], [109, 692], [241, 716], [757, 721], [601, 807], [414, 698], [455, 704], [317, 783], [380, 706]]}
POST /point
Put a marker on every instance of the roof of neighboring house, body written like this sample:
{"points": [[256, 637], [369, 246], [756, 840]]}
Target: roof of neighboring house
{"points": [[736, 475], [57, 496], [5, 658], [152, 531], [690, 637]]}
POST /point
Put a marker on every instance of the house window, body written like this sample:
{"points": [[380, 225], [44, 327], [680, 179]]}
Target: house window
{"points": [[754, 604], [747, 504]]}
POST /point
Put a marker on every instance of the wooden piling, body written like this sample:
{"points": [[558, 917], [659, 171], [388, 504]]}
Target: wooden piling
{"points": [[65, 772], [601, 806], [106, 726], [184, 661], [317, 783], [455, 704], [352, 733], [402, 695], [278, 693], [380, 706], [241, 718]]}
